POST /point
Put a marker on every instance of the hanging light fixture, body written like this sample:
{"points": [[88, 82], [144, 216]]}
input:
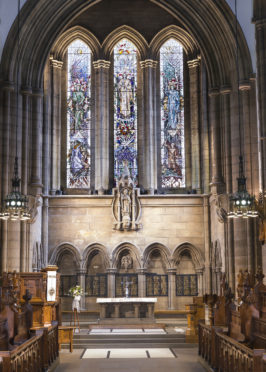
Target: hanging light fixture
{"points": [[242, 204], [15, 205]]}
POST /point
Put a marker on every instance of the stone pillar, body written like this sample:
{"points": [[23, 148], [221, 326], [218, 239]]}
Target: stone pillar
{"points": [[141, 283], [200, 281], [37, 128], [259, 19], [56, 68], [194, 90], [206, 216], [148, 175], [226, 95], [111, 282], [45, 230], [6, 170], [171, 288], [81, 279], [217, 185], [102, 130]]}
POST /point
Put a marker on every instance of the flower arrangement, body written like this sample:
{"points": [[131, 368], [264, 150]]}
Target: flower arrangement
{"points": [[76, 291]]}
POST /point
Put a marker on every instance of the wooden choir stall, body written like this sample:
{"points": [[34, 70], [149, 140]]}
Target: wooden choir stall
{"points": [[29, 317]]}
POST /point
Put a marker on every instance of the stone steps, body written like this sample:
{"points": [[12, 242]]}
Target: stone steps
{"points": [[87, 341]]}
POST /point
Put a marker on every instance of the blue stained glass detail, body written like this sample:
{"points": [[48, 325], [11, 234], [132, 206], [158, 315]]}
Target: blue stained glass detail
{"points": [[78, 115], [172, 115], [125, 109]]}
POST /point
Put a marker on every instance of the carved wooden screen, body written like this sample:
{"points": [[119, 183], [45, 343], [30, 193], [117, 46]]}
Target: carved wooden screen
{"points": [[120, 285], [66, 282], [156, 285], [96, 285], [186, 285]]}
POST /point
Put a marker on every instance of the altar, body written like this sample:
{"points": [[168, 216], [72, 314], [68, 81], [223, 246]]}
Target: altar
{"points": [[127, 308]]}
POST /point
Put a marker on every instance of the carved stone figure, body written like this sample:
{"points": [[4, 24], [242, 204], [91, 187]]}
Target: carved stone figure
{"points": [[126, 205], [126, 262]]}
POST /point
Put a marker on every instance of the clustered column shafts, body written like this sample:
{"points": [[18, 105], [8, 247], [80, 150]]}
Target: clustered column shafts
{"points": [[56, 69], [37, 130], [149, 175], [102, 163], [194, 90]]}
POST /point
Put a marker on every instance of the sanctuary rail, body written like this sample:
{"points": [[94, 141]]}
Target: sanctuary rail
{"points": [[35, 355], [224, 354]]}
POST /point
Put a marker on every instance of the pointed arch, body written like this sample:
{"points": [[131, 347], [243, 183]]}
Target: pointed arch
{"points": [[120, 248], [173, 32], [195, 253], [77, 32], [93, 249], [56, 253], [125, 32], [164, 251]]}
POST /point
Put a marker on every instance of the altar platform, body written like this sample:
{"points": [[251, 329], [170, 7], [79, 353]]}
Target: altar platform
{"points": [[126, 310]]}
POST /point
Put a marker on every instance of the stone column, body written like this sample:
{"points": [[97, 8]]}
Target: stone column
{"points": [[226, 95], [194, 90], [259, 19], [206, 216], [45, 230], [56, 68], [111, 282], [148, 175], [102, 130], [7, 170], [217, 184], [141, 283], [171, 288], [200, 281], [26, 106], [81, 279], [37, 128]]}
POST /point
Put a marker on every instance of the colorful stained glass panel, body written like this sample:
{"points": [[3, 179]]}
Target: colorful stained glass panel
{"points": [[125, 109], [172, 115], [78, 115]]}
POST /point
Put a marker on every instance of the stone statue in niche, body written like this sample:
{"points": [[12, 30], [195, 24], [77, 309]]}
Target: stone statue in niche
{"points": [[126, 206], [126, 262]]}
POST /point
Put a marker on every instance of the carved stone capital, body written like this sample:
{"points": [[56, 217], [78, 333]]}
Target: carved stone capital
{"points": [[56, 64], [101, 63], [193, 63], [148, 63]]}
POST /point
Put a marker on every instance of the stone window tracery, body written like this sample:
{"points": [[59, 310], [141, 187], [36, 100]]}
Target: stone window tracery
{"points": [[172, 115], [78, 115]]}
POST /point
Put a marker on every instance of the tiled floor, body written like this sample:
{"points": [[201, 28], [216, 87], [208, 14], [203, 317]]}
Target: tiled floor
{"points": [[185, 361], [128, 353]]}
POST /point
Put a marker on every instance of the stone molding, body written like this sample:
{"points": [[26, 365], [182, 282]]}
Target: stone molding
{"points": [[148, 63], [101, 63]]}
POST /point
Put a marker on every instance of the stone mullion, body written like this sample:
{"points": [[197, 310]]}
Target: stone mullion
{"points": [[102, 125], [37, 127], [217, 179], [194, 90], [56, 68], [149, 173]]}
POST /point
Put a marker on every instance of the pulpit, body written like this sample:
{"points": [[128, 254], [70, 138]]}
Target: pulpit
{"points": [[44, 288]]}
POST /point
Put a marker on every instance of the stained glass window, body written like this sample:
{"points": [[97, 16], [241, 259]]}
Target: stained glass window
{"points": [[125, 109], [172, 115], [78, 115]]}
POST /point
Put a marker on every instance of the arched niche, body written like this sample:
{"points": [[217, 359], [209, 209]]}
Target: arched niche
{"points": [[185, 264]]}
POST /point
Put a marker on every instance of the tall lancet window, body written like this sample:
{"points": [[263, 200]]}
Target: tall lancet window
{"points": [[78, 115], [125, 109], [172, 115]]}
